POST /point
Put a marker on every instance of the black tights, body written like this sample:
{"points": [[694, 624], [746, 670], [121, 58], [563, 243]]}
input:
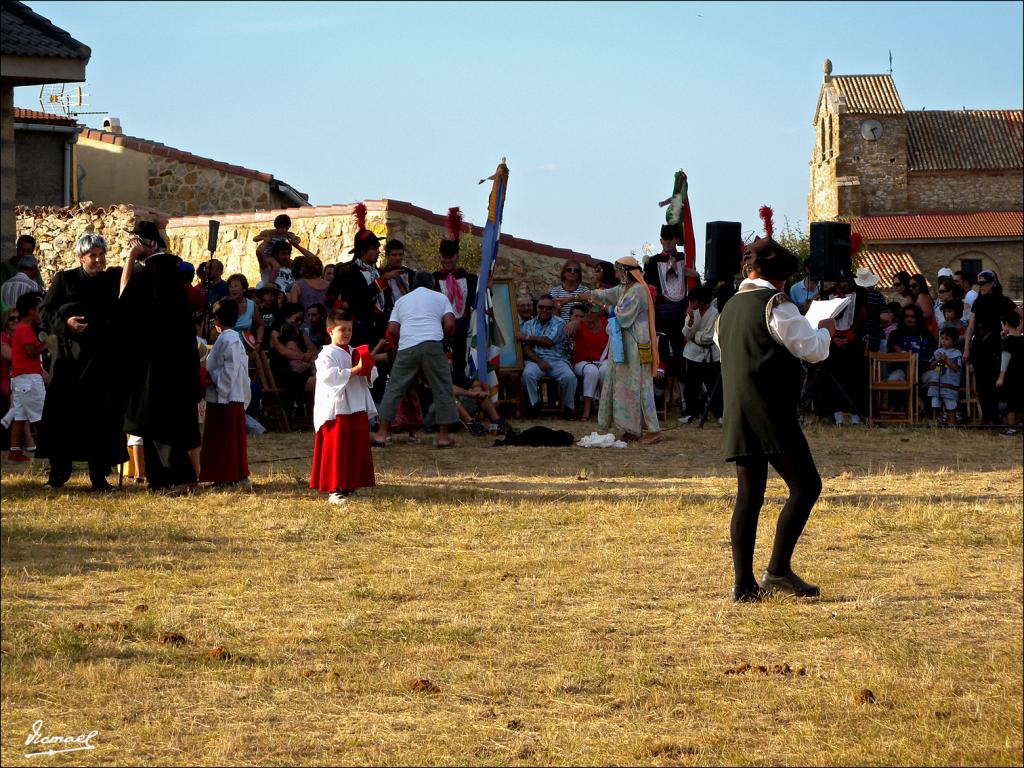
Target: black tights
{"points": [[804, 484]]}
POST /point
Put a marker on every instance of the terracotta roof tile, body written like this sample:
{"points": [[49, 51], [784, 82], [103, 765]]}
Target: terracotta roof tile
{"points": [[968, 140], [34, 116], [162, 150], [940, 226], [875, 94], [887, 264], [24, 32]]}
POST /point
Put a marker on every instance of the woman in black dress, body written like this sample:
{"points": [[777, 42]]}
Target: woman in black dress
{"points": [[984, 343], [81, 419]]}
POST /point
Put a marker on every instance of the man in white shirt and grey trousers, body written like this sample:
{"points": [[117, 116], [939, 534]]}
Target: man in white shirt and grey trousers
{"points": [[420, 321]]}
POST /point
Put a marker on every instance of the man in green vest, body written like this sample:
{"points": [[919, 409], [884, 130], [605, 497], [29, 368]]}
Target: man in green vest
{"points": [[763, 337]]}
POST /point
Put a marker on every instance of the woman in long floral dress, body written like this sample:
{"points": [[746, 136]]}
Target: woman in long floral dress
{"points": [[627, 396]]}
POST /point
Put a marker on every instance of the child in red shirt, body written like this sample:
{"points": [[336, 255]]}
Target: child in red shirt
{"points": [[27, 390]]}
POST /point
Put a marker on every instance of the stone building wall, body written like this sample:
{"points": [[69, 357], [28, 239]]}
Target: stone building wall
{"points": [[1005, 257], [56, 229], [329, 232], [966, 191], [183, 189], [881, 166], [118, 169]]}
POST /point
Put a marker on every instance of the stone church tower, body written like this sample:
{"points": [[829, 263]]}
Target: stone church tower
{"points": [[926, 189], [860, 162]]}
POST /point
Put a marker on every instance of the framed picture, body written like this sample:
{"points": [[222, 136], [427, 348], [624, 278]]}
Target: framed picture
{"points": [[504, 295]]}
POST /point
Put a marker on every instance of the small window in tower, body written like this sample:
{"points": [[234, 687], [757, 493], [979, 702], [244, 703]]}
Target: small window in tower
{"points": [[831, 132], [822, 124]]}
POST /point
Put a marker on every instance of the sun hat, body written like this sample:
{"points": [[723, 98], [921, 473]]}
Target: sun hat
{"points": [[865, 278]]}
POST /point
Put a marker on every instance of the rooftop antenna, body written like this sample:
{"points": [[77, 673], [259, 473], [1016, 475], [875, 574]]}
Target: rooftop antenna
{"points": [[890, 62], [65, 100]]}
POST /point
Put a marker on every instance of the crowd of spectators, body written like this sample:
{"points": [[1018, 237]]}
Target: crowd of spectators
{"points": [[962, 321]]}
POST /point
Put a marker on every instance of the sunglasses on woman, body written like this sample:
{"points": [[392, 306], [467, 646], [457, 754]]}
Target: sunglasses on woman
{"points": [[984, 282]]}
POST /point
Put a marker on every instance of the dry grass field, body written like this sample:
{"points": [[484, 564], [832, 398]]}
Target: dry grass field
{"points": [[521, 606]]}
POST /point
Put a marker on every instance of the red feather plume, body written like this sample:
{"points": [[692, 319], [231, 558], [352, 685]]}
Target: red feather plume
{"points": [[454, 223], [360, 216], [766, 214], [856, 241]]}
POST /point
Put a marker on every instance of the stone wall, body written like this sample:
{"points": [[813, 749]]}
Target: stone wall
{"points": [[117, 169], [56, 229], [329, 231], [881, 165], [183, 189], [966, 191], [1006, 258]]}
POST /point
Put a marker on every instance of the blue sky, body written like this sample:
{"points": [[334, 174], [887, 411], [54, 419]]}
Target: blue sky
{"points": [[595, 105]]}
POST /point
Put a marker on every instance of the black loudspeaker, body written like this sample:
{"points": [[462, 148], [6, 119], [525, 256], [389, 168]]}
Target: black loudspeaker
{"points": [[214, 229], [830, 251], [722, 251]]}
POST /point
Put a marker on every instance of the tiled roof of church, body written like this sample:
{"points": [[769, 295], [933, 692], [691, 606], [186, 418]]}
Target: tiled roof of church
{"points": [[966, 140], [26, 33], [886, 265], [874, 94], [939, 226]]}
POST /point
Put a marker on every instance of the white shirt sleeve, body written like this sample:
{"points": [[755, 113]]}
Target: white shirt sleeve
{"points": [[794, 332]]}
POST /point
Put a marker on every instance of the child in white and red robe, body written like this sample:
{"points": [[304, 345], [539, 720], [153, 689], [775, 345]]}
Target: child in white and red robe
{"points": [[223, 457], [342, 406]]}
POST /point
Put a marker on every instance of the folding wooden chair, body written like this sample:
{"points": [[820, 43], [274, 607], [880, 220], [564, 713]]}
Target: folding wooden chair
{"points": [[273, 405], [969, 396], [879, 387]]}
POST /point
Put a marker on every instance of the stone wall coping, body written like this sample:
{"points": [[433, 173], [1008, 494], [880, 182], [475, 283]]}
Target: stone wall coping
{"points": [[372, 206], [159, 217]]}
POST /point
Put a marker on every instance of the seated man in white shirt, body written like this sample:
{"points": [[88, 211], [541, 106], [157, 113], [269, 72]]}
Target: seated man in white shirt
{"points": [[420, 321]]}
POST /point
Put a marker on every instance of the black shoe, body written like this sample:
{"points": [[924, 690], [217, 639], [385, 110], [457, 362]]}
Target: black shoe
{"points": [[98, 488], [790, 584], [532, 411], [569, 414], [746, 594]]}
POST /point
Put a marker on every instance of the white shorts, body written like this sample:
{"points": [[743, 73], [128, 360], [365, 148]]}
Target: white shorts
{"points": [[27, 395]]}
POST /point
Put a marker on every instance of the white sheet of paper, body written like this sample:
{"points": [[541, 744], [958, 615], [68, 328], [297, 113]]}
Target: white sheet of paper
{"points": [[821, 309]]}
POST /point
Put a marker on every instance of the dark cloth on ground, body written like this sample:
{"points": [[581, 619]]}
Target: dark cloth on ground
{"points": [[537, 437]]}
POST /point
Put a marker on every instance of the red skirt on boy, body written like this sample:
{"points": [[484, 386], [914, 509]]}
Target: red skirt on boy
{"points": [[223, 456], [342, 459]]}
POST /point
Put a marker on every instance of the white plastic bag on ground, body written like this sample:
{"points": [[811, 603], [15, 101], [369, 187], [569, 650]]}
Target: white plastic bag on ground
{"points": [[594, 440]]}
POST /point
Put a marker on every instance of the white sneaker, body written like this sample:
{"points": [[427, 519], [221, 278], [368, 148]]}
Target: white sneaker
{"points": [[337, 498], [686, 420]]}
